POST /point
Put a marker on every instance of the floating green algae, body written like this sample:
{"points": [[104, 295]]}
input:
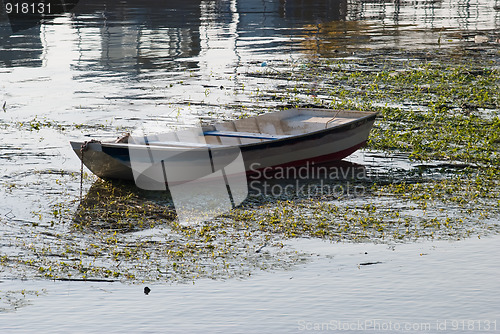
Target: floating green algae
{"points": [[430, 171], [120, 232], [439, 114]]}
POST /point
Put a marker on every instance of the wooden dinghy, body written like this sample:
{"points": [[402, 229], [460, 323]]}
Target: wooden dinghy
{"points": [[282, 138]]}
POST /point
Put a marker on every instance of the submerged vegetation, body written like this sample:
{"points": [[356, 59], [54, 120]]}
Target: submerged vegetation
{"points": [[122, 233], [439, 121], [431, 171]]}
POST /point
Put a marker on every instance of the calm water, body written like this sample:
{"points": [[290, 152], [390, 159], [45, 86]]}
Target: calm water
{"points": [[104, 67], [415, 287]]}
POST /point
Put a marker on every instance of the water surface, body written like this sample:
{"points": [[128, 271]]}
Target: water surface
{"points": [[101, 68]]}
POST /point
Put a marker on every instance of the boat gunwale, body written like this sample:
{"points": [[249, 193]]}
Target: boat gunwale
{"points": [[250, 146]]}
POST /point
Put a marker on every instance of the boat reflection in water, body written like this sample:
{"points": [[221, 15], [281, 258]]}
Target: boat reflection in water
{"points": [[122, 206]]}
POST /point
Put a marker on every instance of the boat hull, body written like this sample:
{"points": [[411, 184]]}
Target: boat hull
{"points": [[113, 161]]}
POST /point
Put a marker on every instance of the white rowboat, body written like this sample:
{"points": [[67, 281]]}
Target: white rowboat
{"points": [[282, 138]]}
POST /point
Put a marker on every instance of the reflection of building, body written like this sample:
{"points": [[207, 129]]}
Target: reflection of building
{"points": [[369, 24], [20, 33], [219, 33], [459, 14], [279, 24], [131, 35], [137, 34]]}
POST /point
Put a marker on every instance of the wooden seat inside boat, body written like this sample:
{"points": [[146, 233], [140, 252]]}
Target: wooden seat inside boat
{"points": [[238, 134]]}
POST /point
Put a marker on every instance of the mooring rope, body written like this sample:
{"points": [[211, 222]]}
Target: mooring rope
{"points": [[332, 119], [84, 147]]}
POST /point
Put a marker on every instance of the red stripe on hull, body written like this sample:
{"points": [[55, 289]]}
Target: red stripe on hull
{"points": [[316, 160]]}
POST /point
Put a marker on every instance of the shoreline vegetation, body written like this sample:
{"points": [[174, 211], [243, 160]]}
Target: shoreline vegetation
{"points": [[431, 170]]}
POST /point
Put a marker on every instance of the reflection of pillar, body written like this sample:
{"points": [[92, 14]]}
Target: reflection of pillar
{"points": [[397, 10], [119, 45], [431, 14], [496, 7], [218, 38], [463, 14], [354, 10]]}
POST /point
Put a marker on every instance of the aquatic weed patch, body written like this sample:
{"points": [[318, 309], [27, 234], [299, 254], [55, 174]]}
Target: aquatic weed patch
{"points": [[121, 233], [441, 109], [440, 135], [394, 212], [122, 207]]}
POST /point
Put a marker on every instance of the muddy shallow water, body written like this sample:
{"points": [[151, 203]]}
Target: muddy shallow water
{"points": [[102, 69]]}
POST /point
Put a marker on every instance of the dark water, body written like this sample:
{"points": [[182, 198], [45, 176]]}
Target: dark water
{"points": [[94, 69]]}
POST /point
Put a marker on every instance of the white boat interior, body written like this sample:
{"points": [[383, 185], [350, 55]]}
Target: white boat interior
{"points": [[265, 127]]}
